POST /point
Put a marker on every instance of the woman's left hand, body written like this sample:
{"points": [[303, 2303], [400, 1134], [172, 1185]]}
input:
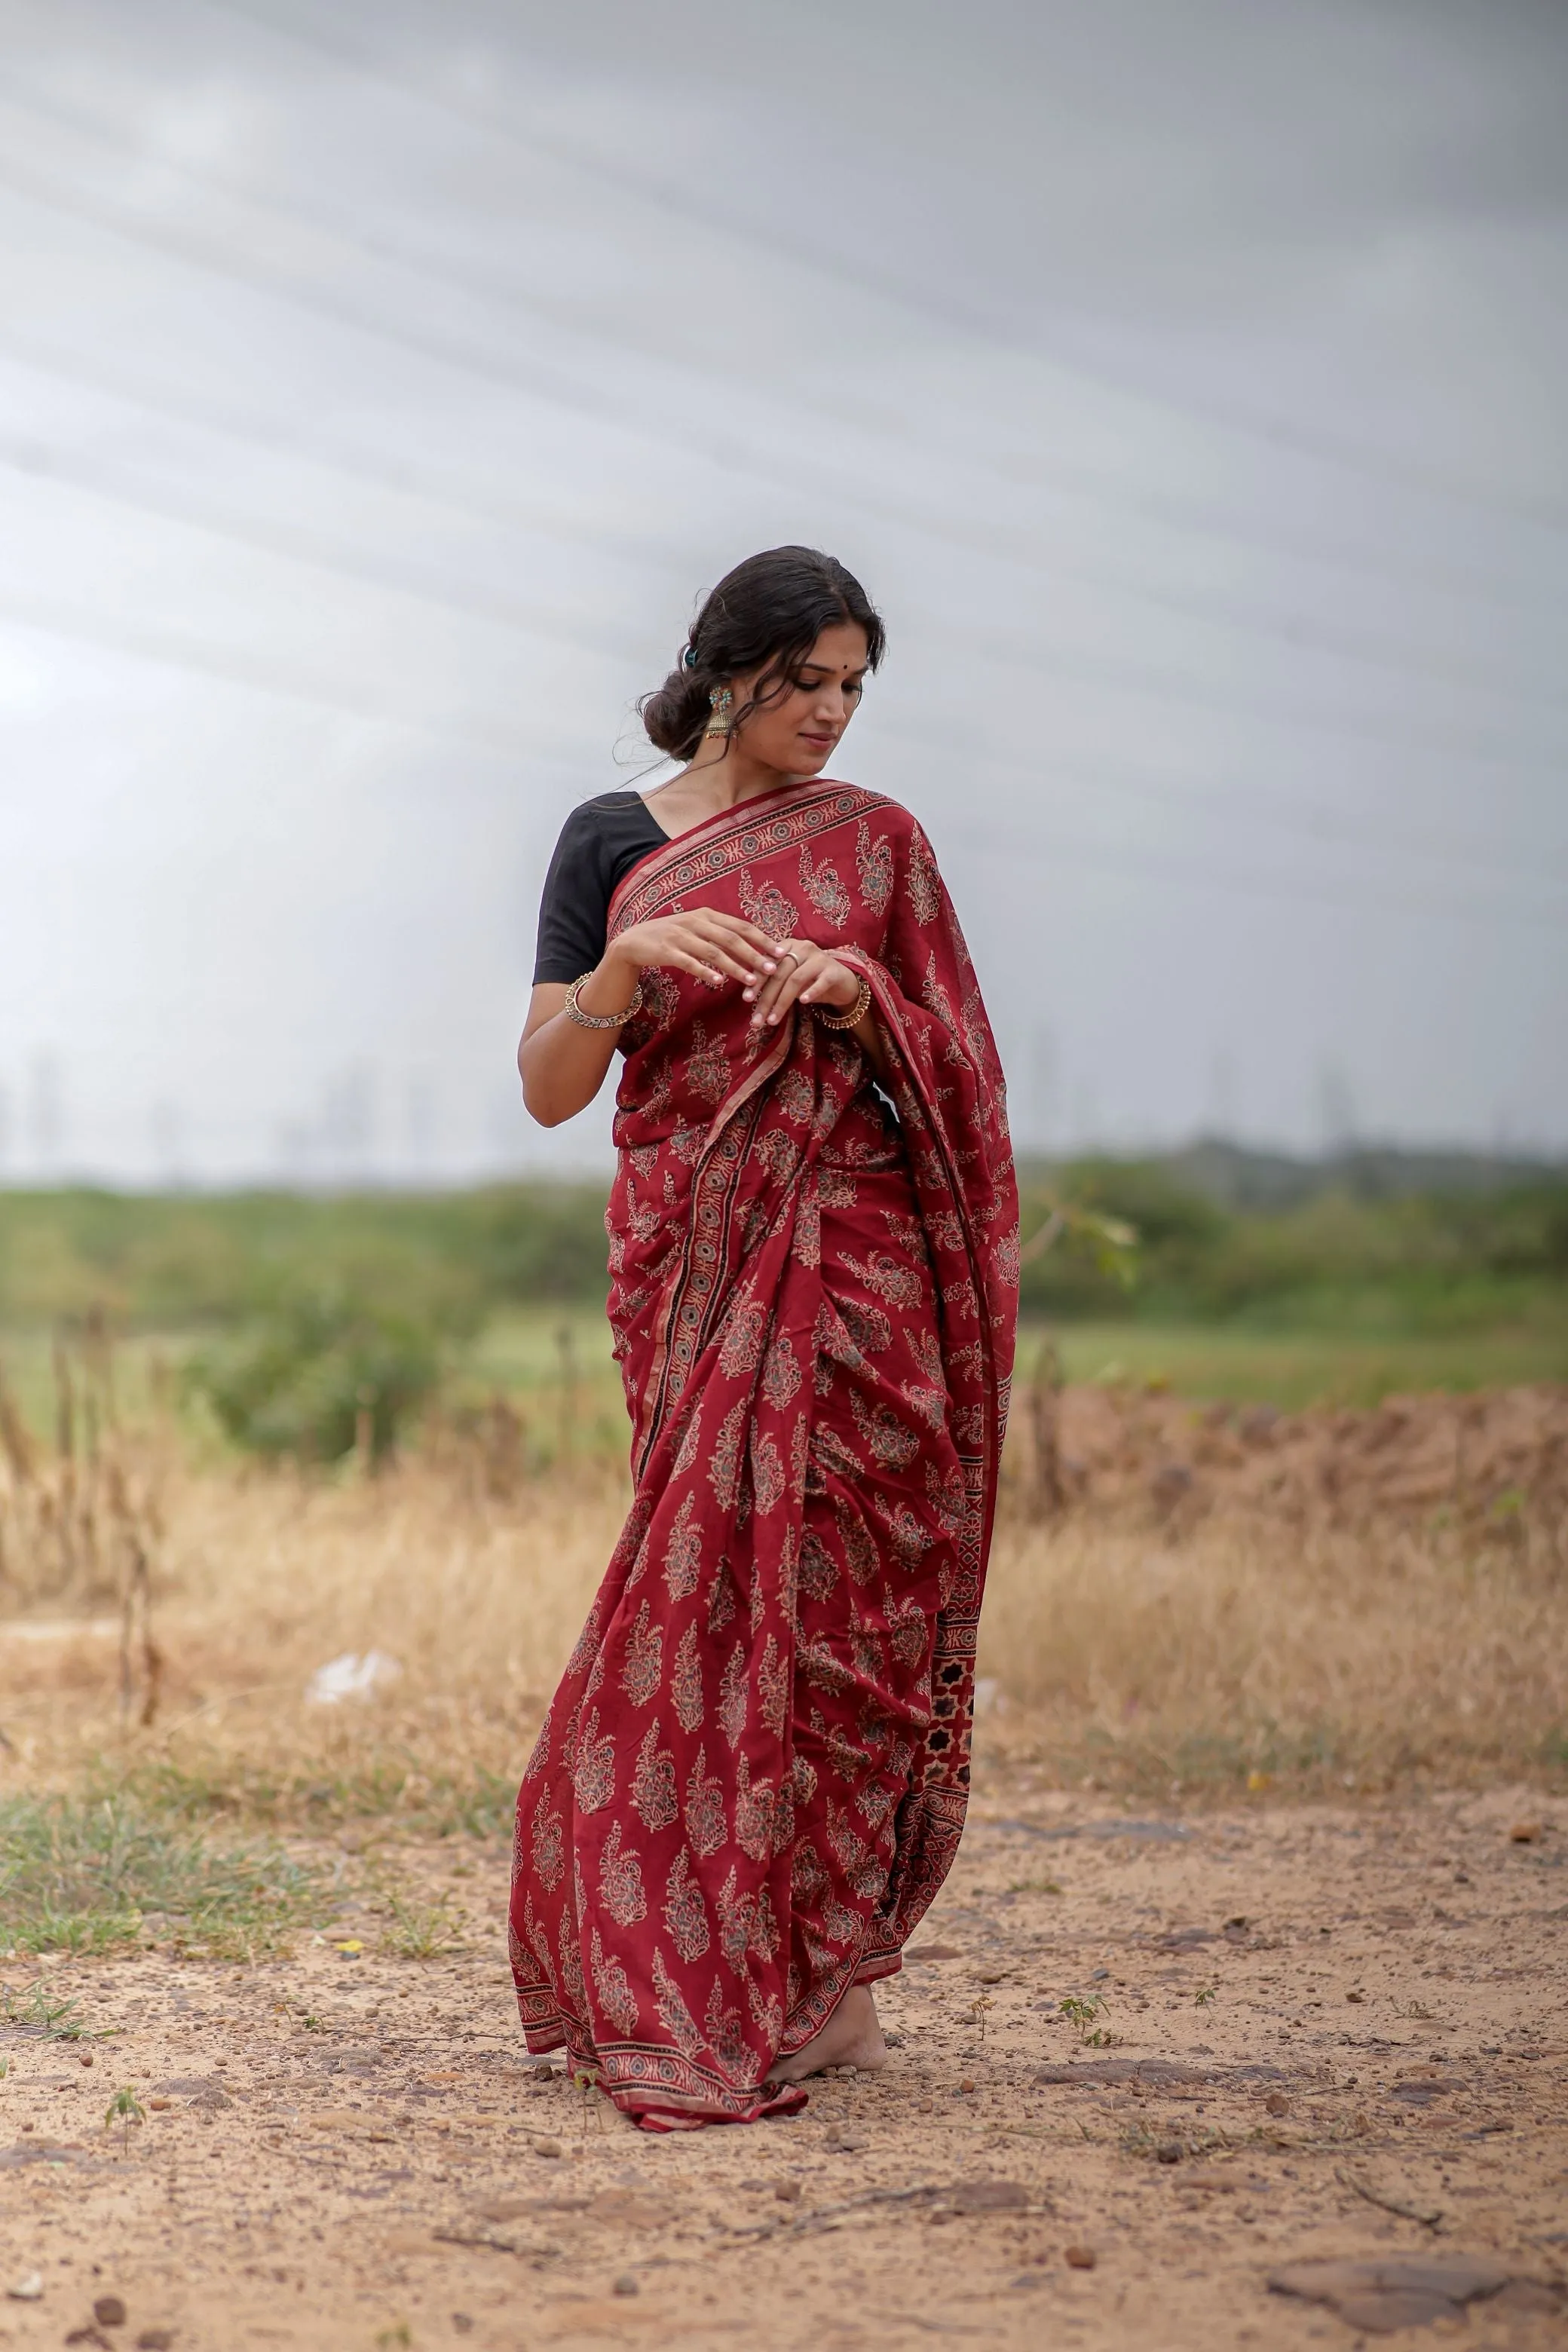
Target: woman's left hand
{"points": [[807, 974]]}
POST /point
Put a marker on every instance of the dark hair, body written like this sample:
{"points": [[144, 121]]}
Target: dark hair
{"points": [[766, 615]]}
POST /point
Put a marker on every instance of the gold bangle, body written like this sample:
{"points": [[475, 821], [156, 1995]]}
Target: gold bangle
{"points": [[599, 1020], [856, 1014]]}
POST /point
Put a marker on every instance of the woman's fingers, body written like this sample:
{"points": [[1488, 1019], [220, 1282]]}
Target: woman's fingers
{"points": [[724, 953], [792, 954], [677, 960], [753, 933], [754, 946], [788, 984]]}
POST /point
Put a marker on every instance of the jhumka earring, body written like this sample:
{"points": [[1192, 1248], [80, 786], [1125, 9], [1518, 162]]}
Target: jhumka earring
{"points": [[722, 702]]}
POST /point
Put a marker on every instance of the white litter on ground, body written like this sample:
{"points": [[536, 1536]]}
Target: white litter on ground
{"points": [[352, 1676]]}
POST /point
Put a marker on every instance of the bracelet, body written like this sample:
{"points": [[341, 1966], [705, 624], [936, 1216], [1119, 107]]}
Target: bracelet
{"points": [[856, 1014], [599, 1020]]}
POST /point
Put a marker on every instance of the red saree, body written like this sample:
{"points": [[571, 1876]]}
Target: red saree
{"points": [[752, 1780]]}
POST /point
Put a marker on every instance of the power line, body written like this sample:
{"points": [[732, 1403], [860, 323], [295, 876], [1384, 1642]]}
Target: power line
{"points": [[992, 841], [170, 648], [310, 547], [1082, 669], [916, 298], [1168, 508], [532, 621], [1304, 818], [50, 466], [1016, 547], [497, 503], [1009, 650], [303, 546]]}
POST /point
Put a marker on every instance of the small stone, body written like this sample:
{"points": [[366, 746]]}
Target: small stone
{"points": [[462, 2323], [84, 2057], [787, 2191], [1524, 1833], [160, 2106], [1081, 2258], [1170, 2151], [28, 2288], [547, 2148], [967, 2084], [1277, 2104], [155, 2339], [627, 2284], [109, 2311], [1355, 1995]]}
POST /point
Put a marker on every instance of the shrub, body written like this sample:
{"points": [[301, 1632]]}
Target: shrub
{"points": [[298, 1381]]}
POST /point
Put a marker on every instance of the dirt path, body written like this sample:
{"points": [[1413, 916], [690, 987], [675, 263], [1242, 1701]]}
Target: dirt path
{"points": [[352, 2152]]}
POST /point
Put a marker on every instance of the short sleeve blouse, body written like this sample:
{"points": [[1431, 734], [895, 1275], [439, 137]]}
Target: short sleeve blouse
{"points": [[600, 841]]}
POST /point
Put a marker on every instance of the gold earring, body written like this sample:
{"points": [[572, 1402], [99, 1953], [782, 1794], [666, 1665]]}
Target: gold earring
{"points": [[721, 702]]}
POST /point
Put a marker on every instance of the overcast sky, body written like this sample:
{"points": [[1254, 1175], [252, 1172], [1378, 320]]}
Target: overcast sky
{"points": [[381, 385]]}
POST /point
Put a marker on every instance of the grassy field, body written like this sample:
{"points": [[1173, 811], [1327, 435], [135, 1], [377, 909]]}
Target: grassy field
{"points": [[1292, 1368], [568, 1389], [1318, 1656]]}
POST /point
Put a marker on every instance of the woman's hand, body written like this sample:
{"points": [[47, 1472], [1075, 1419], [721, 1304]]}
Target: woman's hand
{"points": [[713, 947], [564, 1065], [806, 972]]}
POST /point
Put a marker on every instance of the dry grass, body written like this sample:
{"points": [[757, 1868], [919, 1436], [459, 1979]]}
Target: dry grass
{"points": [[1312, 1656], [1141, 1657]]}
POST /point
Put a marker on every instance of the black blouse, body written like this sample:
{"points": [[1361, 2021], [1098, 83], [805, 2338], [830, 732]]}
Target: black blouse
{"points": [[600, 841]]}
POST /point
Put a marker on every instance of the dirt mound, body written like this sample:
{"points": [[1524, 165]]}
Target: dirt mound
{"points": [[1496, 1456]]}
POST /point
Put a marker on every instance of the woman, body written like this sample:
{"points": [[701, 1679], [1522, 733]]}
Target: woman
{"points": [[752, 1780]]}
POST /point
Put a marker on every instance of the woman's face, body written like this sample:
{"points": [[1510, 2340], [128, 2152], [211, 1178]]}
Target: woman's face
{"points": [[795, 731]]}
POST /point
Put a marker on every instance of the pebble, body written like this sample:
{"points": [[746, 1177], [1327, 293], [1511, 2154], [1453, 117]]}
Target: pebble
{"points": [[787, 2191], [84, 2057], [1524, 1833], [158, 2339], [1277, 2104], [627, 2284], [109, 2311], [1169, 2151], [29, 2287], [967, 2083], [1081, 2258]]}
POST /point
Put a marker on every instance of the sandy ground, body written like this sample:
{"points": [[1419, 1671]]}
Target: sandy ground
{"points": [[354, 2152]]}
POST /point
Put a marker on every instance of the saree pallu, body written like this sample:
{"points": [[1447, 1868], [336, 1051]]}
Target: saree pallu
{"points": [[752, 1780]]}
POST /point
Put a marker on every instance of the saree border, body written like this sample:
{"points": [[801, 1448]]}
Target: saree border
{"points": [[716, 847]]}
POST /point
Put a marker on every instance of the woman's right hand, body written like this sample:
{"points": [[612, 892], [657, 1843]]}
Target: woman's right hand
{"points": [[563, 1065], [713, 947]]}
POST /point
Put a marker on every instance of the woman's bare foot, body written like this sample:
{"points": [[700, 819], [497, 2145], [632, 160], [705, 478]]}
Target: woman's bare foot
{"points": [[851, 2037]]}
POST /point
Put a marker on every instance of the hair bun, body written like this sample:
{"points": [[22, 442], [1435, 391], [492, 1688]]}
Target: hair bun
{"points": [[676, 713]]}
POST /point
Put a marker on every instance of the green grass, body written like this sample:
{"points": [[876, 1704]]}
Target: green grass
{"points": [[417, 1930], [1292, 1368], [475, 1803], [95, 1874]]}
